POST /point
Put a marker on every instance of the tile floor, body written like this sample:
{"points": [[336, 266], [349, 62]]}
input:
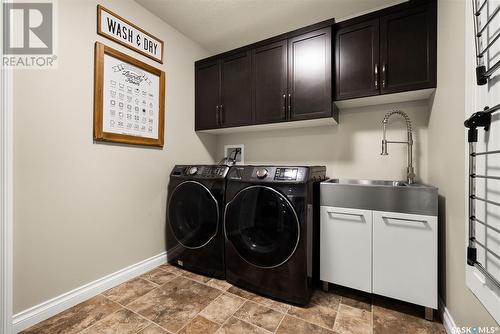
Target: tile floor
{"points": [[171, 300]]}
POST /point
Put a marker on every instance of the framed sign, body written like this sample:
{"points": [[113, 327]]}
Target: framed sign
{"points": [[120, 30], [129, 99]]}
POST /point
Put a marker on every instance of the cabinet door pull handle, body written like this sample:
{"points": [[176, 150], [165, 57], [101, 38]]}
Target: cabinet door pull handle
{"points": [[383, 75], [289, 105], [221, 110], [405, 219], [376, 76], [217, 117], [346, 213], [284, 105]]}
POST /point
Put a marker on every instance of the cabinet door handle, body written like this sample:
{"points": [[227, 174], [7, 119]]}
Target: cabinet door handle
{"points": [[289, 105], [217, 117], [284, 105], [360, 215], [221, 111], [405, 219], [383, 75], [376, 76]]}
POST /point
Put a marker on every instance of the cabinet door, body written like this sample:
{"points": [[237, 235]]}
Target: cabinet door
{"points": [[310, 75], [236, 90], [357, 60], [207, 97], [270, 77], [408, 49], [405, 257], [346, 247]]}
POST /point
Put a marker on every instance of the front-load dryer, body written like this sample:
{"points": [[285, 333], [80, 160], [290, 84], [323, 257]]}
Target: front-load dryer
{"points": [[195, 205], [270, 225]]}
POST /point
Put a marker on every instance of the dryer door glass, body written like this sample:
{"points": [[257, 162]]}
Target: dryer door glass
{"points": [[193, 214], [262, 226]]}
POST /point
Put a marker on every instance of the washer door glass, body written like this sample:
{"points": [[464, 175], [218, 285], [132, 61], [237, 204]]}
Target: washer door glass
{"points": [[193, 214], [262, 226]]}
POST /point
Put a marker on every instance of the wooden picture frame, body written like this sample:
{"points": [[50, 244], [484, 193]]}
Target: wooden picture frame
{"points": [[134, 87], [135, 48]]}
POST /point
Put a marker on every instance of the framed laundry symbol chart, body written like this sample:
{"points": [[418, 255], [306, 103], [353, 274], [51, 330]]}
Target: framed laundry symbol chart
{"points": [[129, 99]]}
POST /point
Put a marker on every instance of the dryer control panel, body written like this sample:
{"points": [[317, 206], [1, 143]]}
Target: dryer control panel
{"points": [[210, 172], [200, 171]]}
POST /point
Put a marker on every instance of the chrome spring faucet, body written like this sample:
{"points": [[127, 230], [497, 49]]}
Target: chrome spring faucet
{"points": [[410, 172]]}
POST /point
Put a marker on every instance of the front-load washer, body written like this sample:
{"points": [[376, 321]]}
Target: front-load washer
{"points": [[195, 204], [269, 223]]}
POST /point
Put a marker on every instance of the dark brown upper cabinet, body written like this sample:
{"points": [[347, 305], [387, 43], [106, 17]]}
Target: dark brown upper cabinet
{"points": [[270, 78], [207, 95], [390, 51], [223, 91], [284, 78], [357, 60], [236, 90], [310, 75], [408, 50]]}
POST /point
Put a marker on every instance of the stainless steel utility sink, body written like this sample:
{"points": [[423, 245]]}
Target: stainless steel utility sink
{"points": [[380, 195]]}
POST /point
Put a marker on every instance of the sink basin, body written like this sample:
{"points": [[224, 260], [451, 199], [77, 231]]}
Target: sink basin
{"points": [[380, 195], [386, 183]]}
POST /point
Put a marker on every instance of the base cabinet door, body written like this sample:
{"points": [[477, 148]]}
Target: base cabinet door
{"points": [[346, 247], [405, 257]]}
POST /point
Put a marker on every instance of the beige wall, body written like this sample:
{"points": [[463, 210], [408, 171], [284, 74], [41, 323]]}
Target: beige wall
{"points": [[447, 169], [349, 150], [84, 210]]}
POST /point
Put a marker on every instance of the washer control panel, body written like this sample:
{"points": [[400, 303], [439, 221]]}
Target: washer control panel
{"points": [[276, 174], [269, 174]]}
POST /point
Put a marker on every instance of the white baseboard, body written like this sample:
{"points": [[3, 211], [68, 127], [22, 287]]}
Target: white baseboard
{"points": [[47, 309], [448, 322]]}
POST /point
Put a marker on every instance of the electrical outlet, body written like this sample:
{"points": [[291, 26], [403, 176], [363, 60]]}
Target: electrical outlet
{"points": [[238, 151]]}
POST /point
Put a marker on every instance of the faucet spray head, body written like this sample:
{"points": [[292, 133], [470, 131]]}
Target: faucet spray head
{"points": [[384, 147]]}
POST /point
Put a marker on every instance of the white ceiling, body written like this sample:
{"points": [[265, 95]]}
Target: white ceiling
{"points": [[222, 25]]}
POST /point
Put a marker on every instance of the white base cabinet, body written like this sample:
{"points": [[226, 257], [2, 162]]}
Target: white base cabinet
{"points": [[346, 242], [386, 253], [405, 257]]}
